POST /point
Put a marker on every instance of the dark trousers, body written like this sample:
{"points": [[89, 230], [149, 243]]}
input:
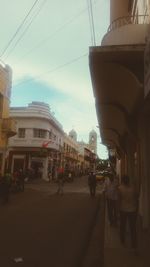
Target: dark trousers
{"points": [[112, 210], [129, 217], [4, 192], [92, 190]]}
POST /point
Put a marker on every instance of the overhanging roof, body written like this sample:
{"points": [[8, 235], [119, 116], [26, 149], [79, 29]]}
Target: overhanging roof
{"points": [[117, 74]]}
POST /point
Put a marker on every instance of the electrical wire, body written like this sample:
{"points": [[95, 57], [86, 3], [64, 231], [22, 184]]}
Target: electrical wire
{"points": [[51, 70], [88, 7], [26, 29], [50, 36], [19, 28], [91, 22], [43, 42]]}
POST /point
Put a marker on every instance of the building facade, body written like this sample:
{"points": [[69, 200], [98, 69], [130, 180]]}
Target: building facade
{"points": [[41, 146], [123, 99], [39, 140], [7, 125], [71, 154]]}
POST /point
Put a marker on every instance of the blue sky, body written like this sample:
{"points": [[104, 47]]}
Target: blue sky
{"points": [[49, 58]]}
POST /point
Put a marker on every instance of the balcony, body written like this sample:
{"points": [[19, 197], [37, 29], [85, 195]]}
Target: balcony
{"points": [[8, 126], [127, 31]]}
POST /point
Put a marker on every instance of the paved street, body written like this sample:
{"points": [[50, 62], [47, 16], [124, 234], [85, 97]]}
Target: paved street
{"points": [[40, 228]]}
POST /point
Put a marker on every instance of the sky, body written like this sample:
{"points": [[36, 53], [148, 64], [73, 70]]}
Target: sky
{"points": [[46, 44]]}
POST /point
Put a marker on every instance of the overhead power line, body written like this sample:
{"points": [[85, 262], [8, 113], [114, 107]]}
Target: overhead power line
{"points": [[51, 35], [52, 70], [89, 14], [26, 29], [19, 28], [91, 22]]}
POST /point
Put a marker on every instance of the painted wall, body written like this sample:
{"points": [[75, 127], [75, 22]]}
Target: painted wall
{"points": [[118, 8], [127, 34], [5, 92]]}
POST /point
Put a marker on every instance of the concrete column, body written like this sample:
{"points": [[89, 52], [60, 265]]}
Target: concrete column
{"points": [[3, 162], [118, 8], [145, 172], [45, 169], [131, 149]]}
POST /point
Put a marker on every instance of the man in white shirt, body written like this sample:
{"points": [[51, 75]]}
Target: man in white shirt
{"points": [[111, 193], [128, 201]]}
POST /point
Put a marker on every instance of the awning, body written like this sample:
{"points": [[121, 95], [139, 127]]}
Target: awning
{"points": [[117, 74], [110, 136]]}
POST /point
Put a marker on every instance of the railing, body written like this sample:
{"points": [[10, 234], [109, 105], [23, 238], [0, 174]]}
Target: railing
{"points": [[122, 21]]}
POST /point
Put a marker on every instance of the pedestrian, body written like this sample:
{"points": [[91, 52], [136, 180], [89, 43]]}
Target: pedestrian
{"points": [[111, 193], [53, 172], [60, 180], [92, 183], [5, 185], [21, 177], [49, 175], [128, 204]]}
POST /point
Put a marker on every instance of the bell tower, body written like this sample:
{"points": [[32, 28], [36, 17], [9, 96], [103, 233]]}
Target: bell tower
{"points": [[93, 141]]}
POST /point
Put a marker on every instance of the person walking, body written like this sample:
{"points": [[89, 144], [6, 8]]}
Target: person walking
{"points": [[60, 180], [92, 183], [5, 185], [128, 204], [111, 193], [21, 177]]}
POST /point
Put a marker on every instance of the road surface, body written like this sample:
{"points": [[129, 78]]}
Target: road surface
{"points": [[39, 228]]}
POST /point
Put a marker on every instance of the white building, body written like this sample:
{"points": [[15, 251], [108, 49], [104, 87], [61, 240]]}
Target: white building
{"points": [[38, 142]]}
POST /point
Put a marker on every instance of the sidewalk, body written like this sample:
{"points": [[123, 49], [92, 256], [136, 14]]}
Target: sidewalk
{"points": [[115, 255]]}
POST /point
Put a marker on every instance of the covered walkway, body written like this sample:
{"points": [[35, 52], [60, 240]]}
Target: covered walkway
{"points": [[115, 255]]}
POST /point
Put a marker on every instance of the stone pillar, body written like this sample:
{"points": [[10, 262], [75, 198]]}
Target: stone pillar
{"points": [[45, 169], [131, 150], [3, 162], [118, 8], [145, 171]]}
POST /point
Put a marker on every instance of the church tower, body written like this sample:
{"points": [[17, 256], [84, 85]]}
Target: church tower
{"points": [[73, 135], [93, 141]]}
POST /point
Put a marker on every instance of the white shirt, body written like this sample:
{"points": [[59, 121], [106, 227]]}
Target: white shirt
{"points": [[128, 198], [110, 189]]}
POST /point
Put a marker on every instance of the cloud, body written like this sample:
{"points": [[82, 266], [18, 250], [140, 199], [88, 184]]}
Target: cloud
{"points": [[46, 55], [65, 81]]}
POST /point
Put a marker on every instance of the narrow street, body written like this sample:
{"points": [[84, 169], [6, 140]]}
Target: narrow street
{"points": [[40, 228]]}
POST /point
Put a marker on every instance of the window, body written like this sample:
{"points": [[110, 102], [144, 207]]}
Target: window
{"points": [[50, 134], [21, 132], [40, 133]]}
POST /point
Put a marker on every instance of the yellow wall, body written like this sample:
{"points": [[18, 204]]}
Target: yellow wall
{"points": [[5, 88]]}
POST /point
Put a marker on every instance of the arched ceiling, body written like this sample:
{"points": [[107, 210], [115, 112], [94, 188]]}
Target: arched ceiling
{"points": [[117, 76], [116, 84], [112, 117], [110, 134]]}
